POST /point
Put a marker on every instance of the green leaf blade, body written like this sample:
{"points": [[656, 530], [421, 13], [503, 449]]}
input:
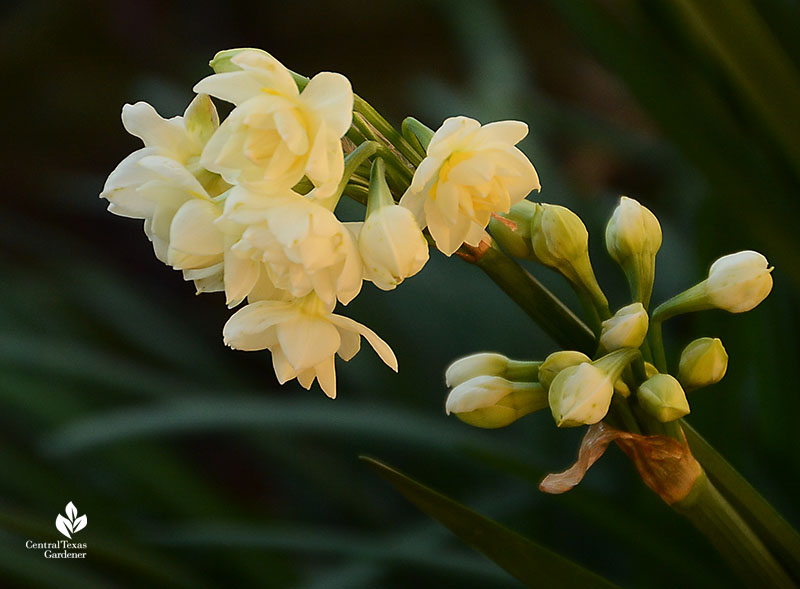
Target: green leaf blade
{"points": [[527, 561]]}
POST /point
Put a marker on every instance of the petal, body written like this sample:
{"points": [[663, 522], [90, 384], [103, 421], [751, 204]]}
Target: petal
{"points": [[503, 132], [235, 87], [241, 276], [175, 174], [330, 97], [141, 120], [292, 131], [193, 230], [307, 341], [201, 119], [326, 376], [381, 347], [351, 344], [273, 73], [283, 370], [450, 135]]}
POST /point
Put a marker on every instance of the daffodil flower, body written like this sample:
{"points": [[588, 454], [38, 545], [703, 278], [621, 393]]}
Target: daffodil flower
{"points": [[303, 336], [300, 245], [470, 172], [277, 134], [164, 184]]}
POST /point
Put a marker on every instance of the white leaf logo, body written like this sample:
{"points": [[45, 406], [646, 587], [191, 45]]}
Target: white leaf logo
{"points": [[72, 523]]}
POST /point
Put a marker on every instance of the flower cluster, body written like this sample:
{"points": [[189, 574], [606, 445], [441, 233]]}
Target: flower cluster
{"points": [[247, 206], [626, 383]]}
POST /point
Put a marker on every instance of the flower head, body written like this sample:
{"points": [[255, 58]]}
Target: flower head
{"points": [[277, 134], [300, 245], [164, 184], [303, 337], [470, 172]]}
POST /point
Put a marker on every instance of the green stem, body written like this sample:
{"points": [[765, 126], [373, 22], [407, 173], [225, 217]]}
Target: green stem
{"points": [[539, 303], [657, 346], [776, 532], [388, 131], [747, 555]]}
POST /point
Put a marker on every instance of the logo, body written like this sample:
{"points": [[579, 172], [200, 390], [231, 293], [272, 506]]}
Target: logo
{"points": [[72, 523], [69, 525]]}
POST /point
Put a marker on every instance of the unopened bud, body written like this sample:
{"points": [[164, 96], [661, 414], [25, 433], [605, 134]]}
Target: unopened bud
{"points": [[558, 361], [490, 364], [736, 283], [560, 241], [662, 397], [492, 401], [626, 329], [512, 230], [582, 394], [633, 238], [739, 282], [703, 363]]}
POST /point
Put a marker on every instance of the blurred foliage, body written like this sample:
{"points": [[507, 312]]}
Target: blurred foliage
{"points": [[196, 469]]}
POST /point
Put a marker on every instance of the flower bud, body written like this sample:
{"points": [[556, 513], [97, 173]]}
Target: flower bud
{"points": [[558, 361], [492, 401], [512, 230], [703, 363], [626, 329], [490, 364], [662, 397], [582, 394], [650, 369], [739, 282], [736, 283], [560, 241], [633, 238], [390, 242]]}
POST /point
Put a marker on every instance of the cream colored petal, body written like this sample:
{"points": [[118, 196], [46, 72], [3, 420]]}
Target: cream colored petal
{"points": [[502, 132], [121, 187], [415, 202], [272, 72], [193, 230], [350, 345], [283, 370], [241, 276], [307, 341], [381, 347], [330, 97], [142, 121], [306, 378], [326, 376], [450, 135], [235, 87], [292, 130], [173, 173]]}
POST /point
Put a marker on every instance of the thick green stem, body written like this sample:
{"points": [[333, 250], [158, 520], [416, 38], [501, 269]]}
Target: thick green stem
{"points": [[747, 555], [538, 302], [777, 534]]}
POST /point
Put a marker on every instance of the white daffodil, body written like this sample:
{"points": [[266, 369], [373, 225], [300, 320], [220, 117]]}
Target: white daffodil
{"points": [[303, 336], [277, 134], [164, 181], [300, 245], [470, 172]]}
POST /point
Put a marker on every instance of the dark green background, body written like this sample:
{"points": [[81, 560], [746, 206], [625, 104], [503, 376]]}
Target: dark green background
{"points": [[194, 467]]}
